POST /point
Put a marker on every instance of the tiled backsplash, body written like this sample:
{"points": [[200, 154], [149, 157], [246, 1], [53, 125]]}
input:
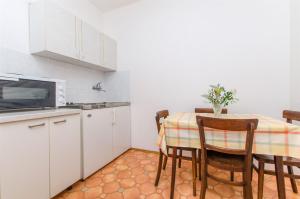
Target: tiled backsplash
{"points": [[80, 80], [117, 86]]}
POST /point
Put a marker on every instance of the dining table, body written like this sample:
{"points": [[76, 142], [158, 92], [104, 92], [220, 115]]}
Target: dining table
{"points": [[272, 137]]}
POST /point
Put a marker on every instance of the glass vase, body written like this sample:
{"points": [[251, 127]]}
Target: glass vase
{"points": [[217, 109]]}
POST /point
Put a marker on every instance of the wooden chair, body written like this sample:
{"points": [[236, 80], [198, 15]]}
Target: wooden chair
{"points": [[209, 110], [236, 160], [164, 158], [287, 161]]}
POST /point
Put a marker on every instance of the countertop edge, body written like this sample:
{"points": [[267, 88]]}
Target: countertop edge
{"points": [[32, 115]]}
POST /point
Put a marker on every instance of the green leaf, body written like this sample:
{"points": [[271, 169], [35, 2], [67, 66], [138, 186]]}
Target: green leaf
{"points": [[217, 94]]}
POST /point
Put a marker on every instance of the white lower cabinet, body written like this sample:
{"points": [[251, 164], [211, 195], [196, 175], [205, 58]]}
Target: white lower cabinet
{"points": [[39, 158], [25, 160], [106, 135], [65, 152], [97, 139], [121, 130]]}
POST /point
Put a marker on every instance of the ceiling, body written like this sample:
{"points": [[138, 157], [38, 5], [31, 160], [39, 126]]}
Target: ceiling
{"points": [[108, 5]]}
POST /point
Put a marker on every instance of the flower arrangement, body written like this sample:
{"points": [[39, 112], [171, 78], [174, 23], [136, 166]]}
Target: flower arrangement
{"points": [[219, 97]]}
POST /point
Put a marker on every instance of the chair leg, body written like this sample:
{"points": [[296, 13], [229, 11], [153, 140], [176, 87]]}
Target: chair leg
{"points": [[159, 167], [261, 175], [204, 180], [278, 160], [247, 188], [231, 176], [252, 171], [293, 181], [166, 159], [199, 158], [203, 186], [180, 157], [173, 177], [165, 162], [194, 170]]}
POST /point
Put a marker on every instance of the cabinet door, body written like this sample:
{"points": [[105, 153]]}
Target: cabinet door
{"points": [[97, 140], [90, 44], [101, 43], [65, 152], [121, 130], [110, 53], [25, 160], [60, 31]]}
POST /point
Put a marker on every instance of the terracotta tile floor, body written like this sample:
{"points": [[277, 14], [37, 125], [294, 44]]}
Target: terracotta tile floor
{"points": [[132, 176]]}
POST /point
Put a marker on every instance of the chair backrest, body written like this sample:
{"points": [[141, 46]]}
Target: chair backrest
{"points": [[291, 115], [209, 110], [247, 125], [159, 115]]}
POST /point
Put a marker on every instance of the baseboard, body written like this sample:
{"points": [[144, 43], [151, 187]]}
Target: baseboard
{"points": [[145, 150]]}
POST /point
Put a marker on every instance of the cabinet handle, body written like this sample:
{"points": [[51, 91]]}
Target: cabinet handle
{"points": [[35, 126], [76, 36], [81, 45], [59, 122], [89, 115], [114, 117]]}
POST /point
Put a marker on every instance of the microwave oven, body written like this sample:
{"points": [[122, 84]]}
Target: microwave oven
{"points": [[18, 92]]}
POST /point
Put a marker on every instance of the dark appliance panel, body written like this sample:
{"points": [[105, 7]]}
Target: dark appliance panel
{"points": [[26, 94]]}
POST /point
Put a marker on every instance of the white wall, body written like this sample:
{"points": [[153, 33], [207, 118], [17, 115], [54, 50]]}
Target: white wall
{"points": [[295, 54], [14, 30], [175, 49], [15, 56]]}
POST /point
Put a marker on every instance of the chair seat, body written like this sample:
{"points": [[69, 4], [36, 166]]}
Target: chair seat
{"points": [[270, 160], [225, 161]]}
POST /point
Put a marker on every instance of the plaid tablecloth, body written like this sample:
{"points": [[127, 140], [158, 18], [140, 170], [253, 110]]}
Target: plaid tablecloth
{"points": [[272, 137]]}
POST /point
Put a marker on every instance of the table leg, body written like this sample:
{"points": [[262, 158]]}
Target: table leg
{"points": [[174, 154], [279, 176]]}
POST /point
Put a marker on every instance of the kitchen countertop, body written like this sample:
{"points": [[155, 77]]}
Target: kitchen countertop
{"points": [[39, 114], [100, 105], [116, 104]]}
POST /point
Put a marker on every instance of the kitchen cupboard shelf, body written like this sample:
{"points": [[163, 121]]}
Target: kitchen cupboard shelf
{"points": [[58, 34]]}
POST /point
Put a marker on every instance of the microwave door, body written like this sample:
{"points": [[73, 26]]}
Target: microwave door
{"points": [[24, 94]]}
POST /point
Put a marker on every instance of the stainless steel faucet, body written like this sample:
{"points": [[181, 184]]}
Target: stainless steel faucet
{"points": [[98, 87]]}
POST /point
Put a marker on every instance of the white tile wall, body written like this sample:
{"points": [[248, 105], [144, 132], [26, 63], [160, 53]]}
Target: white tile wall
{"points": [[80, 80], [117, 86]]}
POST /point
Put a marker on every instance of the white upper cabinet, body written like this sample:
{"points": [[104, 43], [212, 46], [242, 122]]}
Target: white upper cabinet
{"points": [[101, 41], [110, 52], [60, 30], [90, 44], [58, 34]]}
